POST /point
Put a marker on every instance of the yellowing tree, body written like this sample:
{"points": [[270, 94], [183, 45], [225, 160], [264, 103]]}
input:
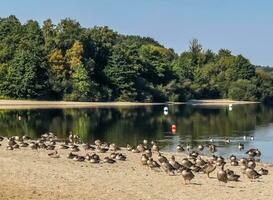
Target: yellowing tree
{"points": [[74, 55], [56, 61]]}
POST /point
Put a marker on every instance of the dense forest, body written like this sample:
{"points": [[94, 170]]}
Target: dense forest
{"points": [[70, 62]]}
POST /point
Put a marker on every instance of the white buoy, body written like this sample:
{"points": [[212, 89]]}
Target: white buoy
{"points": [[230, 107], [165, 112], [165, 108], [19, 117]]}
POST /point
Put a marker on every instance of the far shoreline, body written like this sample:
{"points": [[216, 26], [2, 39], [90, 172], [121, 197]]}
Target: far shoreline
{"points": [[35, 104]]}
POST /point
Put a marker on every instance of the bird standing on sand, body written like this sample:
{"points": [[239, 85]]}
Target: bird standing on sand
{"points": [[222, 174], [187, 175]]}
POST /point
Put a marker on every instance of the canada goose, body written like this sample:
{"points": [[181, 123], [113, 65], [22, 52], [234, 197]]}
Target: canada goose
{"points": [[252, 174], [152, 164], [33, 145], [135, 150], [50, 147], [168, 168], [232, 158], [113, 147], [140, 148], [1, 138], [63, 146], [71, 155], [234, 163], [85, 147], [108, 160], [212, 148], [100, 149], [200, 147], [25, 137], [251, 164], [98, 142], [129, 147], [179, 148], [200, 162], [113, 155], [79, 158], [148, 152], [23, 144], [222, 175], [155, 148], [211, 139], [263, 171], [208, 168], [232, 176], [193, 155], [54, 155], [174, 163], [16, 146], [251, 153], [162, 159], [121, 157], [227, 140], [74, 148], [241, 146], [144, 159], [187, 175], [188, 147], [186, 163]]}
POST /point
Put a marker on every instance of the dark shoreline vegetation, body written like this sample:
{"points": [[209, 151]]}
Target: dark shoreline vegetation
{"points": [[69, 62]]}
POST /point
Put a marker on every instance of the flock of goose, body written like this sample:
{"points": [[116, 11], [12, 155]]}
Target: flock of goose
{"points": [[151, 156]]}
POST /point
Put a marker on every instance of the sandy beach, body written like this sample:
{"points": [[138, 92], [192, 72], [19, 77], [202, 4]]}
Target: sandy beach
{"points": [[31, 104], [30, 174]]}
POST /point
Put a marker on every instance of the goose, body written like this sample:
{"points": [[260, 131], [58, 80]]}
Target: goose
{"points": [[174, 163], [162, 159], [79, 158], [152, 164], [187, 175], [200, 147], [200, 162], [234, 163], [129, 147], [263, 171], [222, 174], [227, 140], [168, 168], [108, 160], [144, 159], [179, 148], [1, 138], [23, 144], [252, 174], [71, 155], [113, 147], [186, 163], [33, 145], [208, 168], [25, 137], [54, 155], [141, 148], [212, 148], [148, 152], [121, 157], [63, 146], [135, 150], [98, 142], [232, 176], [155, 148], [241, 146], [251, 164]]}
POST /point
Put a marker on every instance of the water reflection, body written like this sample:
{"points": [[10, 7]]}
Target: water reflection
{"points": [[131, 125]]}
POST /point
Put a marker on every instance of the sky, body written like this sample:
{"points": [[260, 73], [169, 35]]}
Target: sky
{"points": [[242, 26]]}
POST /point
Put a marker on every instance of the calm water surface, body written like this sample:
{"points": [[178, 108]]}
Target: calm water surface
{"points": [[195, 124]]}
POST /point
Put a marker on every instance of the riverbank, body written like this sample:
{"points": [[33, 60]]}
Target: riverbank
{"points": [[29, 104], [32, 174]]}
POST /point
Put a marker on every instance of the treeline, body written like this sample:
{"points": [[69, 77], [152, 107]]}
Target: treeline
{"points": [[69, 62]]}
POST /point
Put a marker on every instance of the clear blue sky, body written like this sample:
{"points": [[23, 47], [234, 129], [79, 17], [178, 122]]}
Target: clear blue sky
{"points": [[243, 26]]}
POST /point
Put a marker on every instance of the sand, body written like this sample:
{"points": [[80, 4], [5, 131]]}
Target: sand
{"points": [[31, 174], [29, 104]]}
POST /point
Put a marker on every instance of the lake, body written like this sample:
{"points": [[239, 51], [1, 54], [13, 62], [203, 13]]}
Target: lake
{"points": [[122, 125]]}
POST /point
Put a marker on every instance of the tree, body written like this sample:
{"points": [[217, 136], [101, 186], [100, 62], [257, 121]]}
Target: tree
{"points": [[243, 90]]}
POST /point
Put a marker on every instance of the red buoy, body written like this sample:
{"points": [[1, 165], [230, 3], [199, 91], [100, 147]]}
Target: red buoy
{"points": [[173, 128]]}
